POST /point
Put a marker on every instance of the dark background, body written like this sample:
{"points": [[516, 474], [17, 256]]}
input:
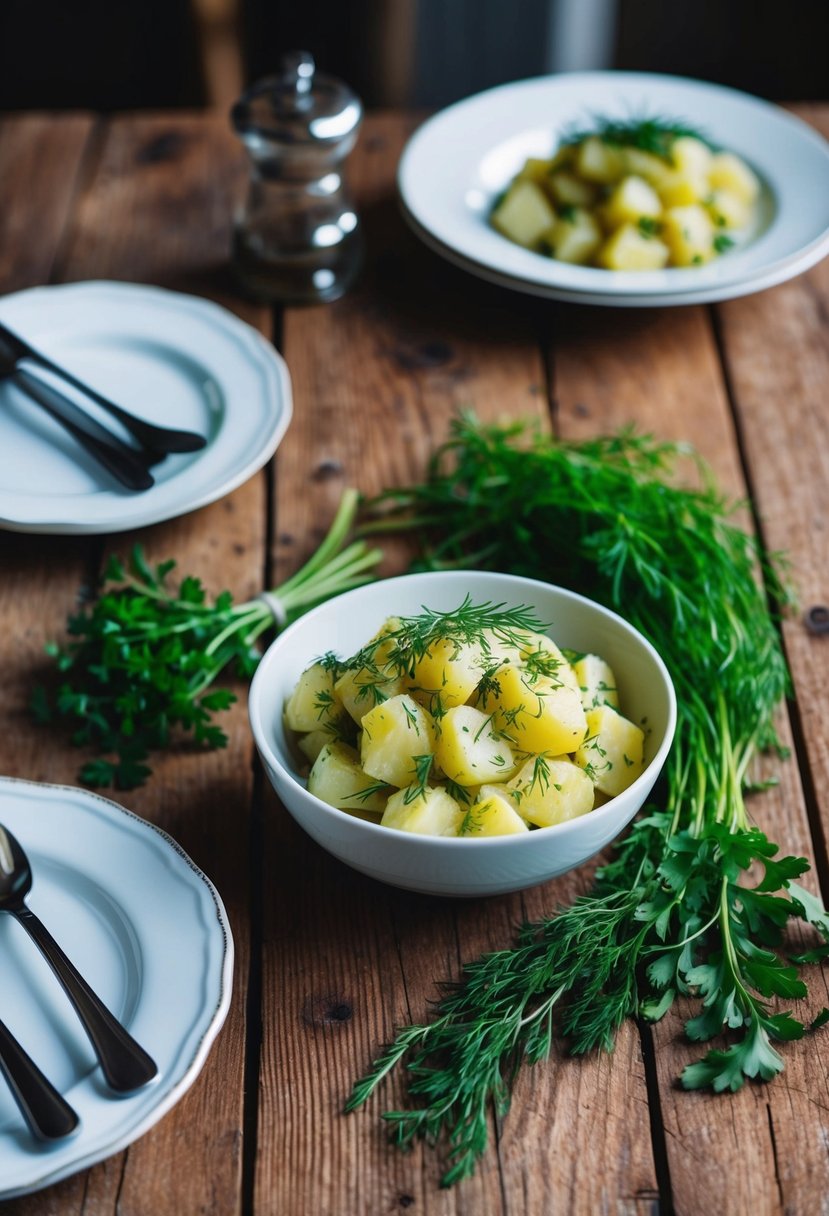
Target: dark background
{"points": [[108, 54]]}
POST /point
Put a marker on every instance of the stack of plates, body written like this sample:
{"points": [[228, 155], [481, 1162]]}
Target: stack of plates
{"points": [[456, 164]]}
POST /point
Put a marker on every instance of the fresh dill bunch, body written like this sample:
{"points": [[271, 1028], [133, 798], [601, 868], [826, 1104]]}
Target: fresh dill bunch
{"points": [[670, 913], [649, 133]]}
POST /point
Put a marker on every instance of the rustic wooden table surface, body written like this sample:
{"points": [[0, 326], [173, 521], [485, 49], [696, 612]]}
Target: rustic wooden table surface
{"points": [[329, 962]]}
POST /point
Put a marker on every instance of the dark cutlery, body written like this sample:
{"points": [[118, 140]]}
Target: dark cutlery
{"points": [[49, 1116], [125, 1064], [155, 439], [124, 463]]}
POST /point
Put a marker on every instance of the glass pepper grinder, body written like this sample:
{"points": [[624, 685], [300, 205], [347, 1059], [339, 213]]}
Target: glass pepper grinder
{"points": [[297, 238]]}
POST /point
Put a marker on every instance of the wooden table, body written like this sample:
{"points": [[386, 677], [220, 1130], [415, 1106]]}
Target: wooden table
{"points": [[329, 962]]}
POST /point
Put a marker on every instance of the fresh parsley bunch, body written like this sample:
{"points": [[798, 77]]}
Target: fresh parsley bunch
{"points": [[672, 913], [142, 660]]}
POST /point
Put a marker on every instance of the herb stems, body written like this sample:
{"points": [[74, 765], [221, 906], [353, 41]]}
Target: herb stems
{"points": [[142, 660], [670, 914]]}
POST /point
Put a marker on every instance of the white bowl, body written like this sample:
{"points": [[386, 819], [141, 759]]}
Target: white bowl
{"points": [[439, 865]]}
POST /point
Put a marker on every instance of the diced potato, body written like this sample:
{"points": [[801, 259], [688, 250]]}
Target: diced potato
{"points": [[539, 650], [645, 164], [548, 791], [689, 234], [447, 674], [535, 169], [492, 815], [598, 161], [338, 779], [359, 691], [312, 744], [678, 189], [632, 200], [729, 172], [313, 701], [613, 752], [394, 734], [727, 210], [691, 156], [574, 237], [430, 812], [524, 215], [537, 714], [597, 683], [469, 750], [570, 191], [630, 249]]}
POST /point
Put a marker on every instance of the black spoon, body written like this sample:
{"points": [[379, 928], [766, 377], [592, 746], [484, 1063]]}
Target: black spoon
{"points": [[125, 1064], [49, 1116]]}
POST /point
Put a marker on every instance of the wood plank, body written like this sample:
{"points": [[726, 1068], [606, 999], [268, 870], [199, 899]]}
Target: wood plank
{"points": [[377, 378], [158, 210], [661, 371], [40, 158]]}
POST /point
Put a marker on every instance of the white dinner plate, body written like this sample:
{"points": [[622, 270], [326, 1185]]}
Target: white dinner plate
{"points": [[148, 931], [456, 164], [173, 359]]}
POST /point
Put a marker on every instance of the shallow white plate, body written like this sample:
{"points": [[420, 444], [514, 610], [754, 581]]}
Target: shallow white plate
{"points": [[456, 163], [174, 359], [148, 931]]}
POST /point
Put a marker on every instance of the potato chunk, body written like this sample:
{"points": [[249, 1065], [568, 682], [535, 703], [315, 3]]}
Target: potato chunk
{"points": [[631, 249], [337, 779], [689, 234], [691, 156], [729, 172], [396, 737], [567, 190], [447, 674], [492, 815], [548, 791], [539, 652], [537, 714], [313, 701], [678, 189], [613, 752], [727, 210], [469, 750], [359, 691], [524, 215], [428, 812], [597, 683], [598, 161], [574, 237], [632, 200]]}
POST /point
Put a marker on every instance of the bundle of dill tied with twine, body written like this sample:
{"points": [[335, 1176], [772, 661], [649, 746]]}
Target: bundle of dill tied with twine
{"points": [[671, 912]]}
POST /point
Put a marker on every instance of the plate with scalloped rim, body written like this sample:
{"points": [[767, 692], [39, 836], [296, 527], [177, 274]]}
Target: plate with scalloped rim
{"points": [[174, 359], [456, 164], [150, 933]]}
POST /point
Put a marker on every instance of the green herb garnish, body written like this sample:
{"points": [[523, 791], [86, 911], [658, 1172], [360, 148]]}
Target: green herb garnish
{"points": [[670, 913], [722, 242], [648, 226], [656, 135], [142, 660]]}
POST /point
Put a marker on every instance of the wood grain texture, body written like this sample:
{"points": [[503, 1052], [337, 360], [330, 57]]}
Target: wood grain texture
{"points": [[157, 209], [377, 378]]}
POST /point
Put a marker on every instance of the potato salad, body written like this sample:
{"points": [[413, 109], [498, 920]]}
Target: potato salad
{"points": [[469, 723], [630, 196]]}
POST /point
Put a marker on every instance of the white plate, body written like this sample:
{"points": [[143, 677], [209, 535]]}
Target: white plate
{"points": [[148, 931], [455, 165], [174, 359]]}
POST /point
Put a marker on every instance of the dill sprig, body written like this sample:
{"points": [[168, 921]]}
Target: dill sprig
{"points": [[649, 133], [142, 660], [670, 913]]}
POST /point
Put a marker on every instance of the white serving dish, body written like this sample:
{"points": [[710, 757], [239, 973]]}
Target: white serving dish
{"points": [[440, 865]]}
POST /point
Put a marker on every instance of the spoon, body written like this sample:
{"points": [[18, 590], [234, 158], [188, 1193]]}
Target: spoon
{"points": [[126, 1066], [49, 1116]]}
